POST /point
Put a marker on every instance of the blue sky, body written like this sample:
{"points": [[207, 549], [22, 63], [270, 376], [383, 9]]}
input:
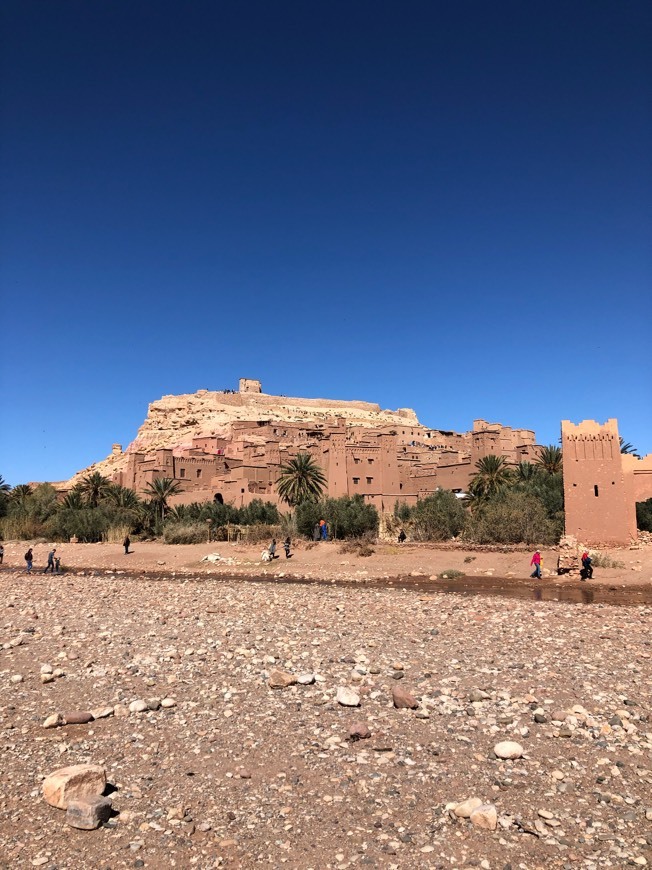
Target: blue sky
{"points": [[443, 206]]}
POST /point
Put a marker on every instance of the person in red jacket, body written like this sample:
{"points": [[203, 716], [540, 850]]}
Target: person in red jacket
{"points": [[536, 561]]}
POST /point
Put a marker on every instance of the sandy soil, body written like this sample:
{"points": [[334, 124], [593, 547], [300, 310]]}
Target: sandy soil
{"points": [[327, 561]]}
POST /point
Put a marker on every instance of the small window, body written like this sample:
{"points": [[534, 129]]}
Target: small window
{"points": [[199, 472], [370, 461], [182, 472], [356, 480], [595, 490], [356, 460], [370, 480]]}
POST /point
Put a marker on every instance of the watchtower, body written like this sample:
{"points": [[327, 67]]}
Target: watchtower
{"points": [[599, 507]]}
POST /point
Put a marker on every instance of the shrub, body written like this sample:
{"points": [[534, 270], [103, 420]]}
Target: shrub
{"points": [[451, 574], [644, 515], [511, 518], [438, 517], [604, 560], [185, 533], [346, 517], [358, 547]]}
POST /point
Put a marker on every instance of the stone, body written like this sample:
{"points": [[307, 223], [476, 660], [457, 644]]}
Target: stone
{"points": [[464, 810], [78, 718], [168, 703], [485, 816], [359, 731], [47, 678], [53, 721], [403, 700], [306, 679], [508, 749], [281, 680], [347, 697], [137, 706], [88, 813], [101, 712], [73, 783]]}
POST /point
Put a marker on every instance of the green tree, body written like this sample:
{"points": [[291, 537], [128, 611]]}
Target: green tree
{"points": [[301, 480], [493, 475], [438, 517], [122, 497], [511, 518], [93, 488], [550, 459], [4, 486], [644, 515], [160, 491], [19, 498], [526, 471]]}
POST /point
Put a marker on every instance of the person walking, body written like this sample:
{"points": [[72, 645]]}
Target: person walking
{"points": [[402, 536], [587, 566], [57, 565], [126, 544], [286, 547], [50, 565], [324, 530], [536, 561], [272, 549], [316, 532], [29, 558]]}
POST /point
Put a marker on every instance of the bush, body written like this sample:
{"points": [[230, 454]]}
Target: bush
{"points": [[451, 574], [438, 517], [185, 533], [346, 517], [357, 547], [644, 515], [511, 518], [604, 560]]}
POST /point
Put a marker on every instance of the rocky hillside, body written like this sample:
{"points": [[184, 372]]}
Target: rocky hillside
{"points": [[173, 421]]}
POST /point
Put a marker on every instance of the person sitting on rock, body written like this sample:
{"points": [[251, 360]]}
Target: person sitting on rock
{"points": [[402, 536], [587, 567]]}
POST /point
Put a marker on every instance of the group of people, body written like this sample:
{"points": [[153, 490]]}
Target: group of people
{"points": [[586, 572], [320, 532], [271, 550], [53, 563]]}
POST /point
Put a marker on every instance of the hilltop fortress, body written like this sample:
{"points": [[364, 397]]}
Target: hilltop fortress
{"points": [[230, 446]]}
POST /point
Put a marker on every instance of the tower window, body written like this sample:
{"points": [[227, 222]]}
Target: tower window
{"points": [[595, 490]]}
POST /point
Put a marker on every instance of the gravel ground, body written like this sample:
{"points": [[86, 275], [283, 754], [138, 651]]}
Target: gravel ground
{"points": [[238, 774]]}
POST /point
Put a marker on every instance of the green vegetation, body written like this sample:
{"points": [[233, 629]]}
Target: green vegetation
{"points": [[644, 515], [346, 517], [492, 476], [626, 447], [451, 574], [438, 517], [301, 480], [550, 459]]}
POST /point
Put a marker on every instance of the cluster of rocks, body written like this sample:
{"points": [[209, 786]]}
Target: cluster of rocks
{"points": [[325, 727]]}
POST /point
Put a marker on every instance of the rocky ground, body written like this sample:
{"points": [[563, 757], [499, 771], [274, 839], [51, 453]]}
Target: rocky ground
{"points": [[219, 769]]}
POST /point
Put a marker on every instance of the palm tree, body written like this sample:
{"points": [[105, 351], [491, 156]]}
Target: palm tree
{"points": [[160, 491], [550, 459], [20, 495], [626, 447], [301, 480], [4, 486], [526, 471], [93, 488], [73, 500], [122, 497], [492, 476]]}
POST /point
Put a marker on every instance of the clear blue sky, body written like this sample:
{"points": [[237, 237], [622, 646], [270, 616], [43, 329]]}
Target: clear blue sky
{"points": [[438, 205]]}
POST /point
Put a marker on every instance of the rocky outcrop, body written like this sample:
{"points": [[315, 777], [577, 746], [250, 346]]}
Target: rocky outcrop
{"points": [[173, 421]]}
